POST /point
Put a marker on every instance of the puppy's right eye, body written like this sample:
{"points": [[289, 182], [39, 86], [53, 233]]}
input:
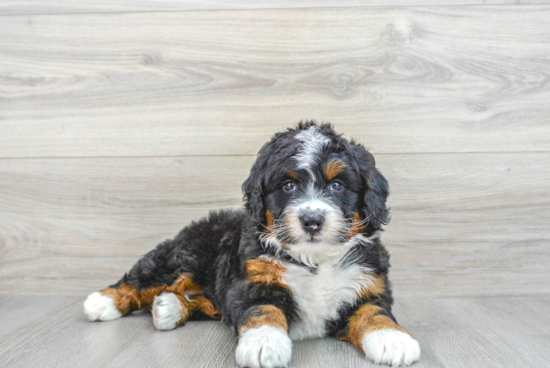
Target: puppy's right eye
{"points": [[289, 187]]}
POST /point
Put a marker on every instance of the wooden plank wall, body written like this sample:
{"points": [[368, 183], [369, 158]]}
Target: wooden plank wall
{"points": [[122, 121]]}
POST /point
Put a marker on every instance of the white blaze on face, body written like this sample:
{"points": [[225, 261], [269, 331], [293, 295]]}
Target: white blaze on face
{"points": [[312, 146]]}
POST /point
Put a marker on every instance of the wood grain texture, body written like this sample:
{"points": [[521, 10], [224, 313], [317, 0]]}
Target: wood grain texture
{"points": [[426, 79], [53, 332], [462, 224], [27, 7]]}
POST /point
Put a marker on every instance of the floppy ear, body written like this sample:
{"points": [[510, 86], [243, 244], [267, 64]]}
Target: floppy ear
{"points": [[260, 174], [253, 193], [253, 197], [375, 199], [375, 186]]}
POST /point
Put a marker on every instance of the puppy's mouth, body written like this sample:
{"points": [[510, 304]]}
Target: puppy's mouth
{"points": [[307, 238], [303, 238], [312, 238]]}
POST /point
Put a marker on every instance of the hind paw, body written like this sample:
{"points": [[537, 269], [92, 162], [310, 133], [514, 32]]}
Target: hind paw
{"points": [[99, 307], [167, 311]]}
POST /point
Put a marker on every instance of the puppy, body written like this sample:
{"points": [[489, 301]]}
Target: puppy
{"points": [[302, 260]]}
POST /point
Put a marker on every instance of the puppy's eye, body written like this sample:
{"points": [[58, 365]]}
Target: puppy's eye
{"points": [[336, 186], [289, 187]]}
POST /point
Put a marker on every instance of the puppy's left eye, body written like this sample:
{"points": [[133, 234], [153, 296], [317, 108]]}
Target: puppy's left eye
{"points": [[336, 186]]}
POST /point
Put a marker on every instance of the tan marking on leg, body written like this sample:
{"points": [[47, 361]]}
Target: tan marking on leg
{"points": [[204, 305], [376, 287], [333, 168], [185, 288], [196, 303], [147, 296], [265, 315], [186, 309], [127, 299], [367, 319], [260, 270], [356, 226], [184, 284]]}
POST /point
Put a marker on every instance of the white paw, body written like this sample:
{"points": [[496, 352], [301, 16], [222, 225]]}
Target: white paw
{"points": [[166, 311], [391, 347], [99, 307], [265, 347]]}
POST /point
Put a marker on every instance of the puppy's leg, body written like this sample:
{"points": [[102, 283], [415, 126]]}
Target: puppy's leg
{"points": [[171, 304], [372, 330], [162, 269], [118, 301], [175, 305], [135, 290], [264, 315]]}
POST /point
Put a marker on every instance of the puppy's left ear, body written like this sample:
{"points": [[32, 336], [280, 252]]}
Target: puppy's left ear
{"points": [[375, 186]]}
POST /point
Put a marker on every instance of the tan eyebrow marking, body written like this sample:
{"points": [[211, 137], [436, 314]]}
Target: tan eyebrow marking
{"points": [[292, 174], [334, 168]]}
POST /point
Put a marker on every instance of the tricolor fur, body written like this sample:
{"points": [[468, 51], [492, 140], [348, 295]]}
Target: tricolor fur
{"points": [[303, 259]]}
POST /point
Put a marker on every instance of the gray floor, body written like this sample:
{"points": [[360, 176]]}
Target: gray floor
{"points": [[462, 332]]}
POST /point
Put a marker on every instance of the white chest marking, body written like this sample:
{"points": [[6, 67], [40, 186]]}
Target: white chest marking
{"points": [[319, 296]]}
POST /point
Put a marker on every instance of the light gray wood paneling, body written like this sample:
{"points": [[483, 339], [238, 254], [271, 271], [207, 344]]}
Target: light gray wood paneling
{"points": [[483, 332], [427, 79], [463, 224], [14, 7]]}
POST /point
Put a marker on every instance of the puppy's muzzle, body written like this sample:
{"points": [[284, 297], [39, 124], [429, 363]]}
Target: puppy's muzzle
{"points": [[312, 222]]}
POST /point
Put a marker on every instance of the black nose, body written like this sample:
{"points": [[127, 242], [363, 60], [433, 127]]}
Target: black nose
{"points": [[312, 222]]}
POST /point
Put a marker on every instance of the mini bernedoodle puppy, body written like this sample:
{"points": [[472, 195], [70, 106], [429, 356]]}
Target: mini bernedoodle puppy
{"points": [[302, 260]]}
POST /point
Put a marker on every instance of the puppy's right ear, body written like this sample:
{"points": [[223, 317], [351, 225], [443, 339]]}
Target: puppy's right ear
{"points": [[254, 188]]}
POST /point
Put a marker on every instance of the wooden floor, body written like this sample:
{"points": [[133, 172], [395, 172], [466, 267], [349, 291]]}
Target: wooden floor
{"points": [[465, 332]]}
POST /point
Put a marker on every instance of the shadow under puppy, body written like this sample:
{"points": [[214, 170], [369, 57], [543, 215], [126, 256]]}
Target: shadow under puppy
{"points": [[302, 260]]}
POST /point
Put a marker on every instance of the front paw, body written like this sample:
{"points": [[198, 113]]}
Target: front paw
{"points": [[264, 347], [392, 347]]}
